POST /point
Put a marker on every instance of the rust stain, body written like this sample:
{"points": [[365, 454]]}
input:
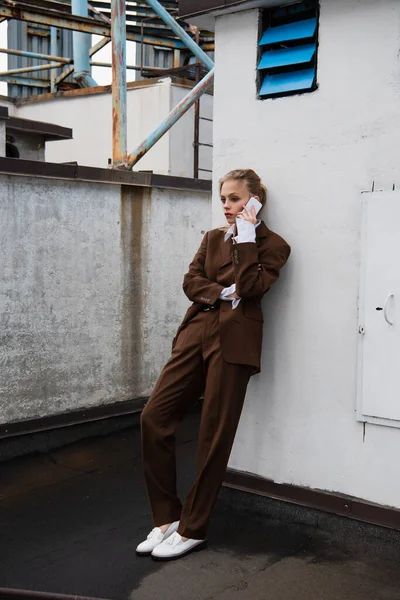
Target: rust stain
{"points": [[101, 89], [132, 273]]}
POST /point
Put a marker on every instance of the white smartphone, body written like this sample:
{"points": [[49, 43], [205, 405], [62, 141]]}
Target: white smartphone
{"points": [[253, 202]]}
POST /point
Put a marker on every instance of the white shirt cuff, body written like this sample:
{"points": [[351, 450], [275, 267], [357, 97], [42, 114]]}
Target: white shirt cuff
{"points": [[246, 231], [227, 292], [235, 302]]}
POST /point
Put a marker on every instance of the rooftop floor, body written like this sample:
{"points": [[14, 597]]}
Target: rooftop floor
{"points": [[70, 521]]}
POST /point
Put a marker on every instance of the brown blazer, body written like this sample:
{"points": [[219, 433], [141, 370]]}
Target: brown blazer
{"points": [[254, 268]]}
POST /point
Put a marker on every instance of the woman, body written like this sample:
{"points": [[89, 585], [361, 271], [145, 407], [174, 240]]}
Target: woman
{"points": [[215, 351]]}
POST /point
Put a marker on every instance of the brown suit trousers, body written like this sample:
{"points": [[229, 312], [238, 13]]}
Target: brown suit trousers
{"points": [[214, 353], [195, 366]]}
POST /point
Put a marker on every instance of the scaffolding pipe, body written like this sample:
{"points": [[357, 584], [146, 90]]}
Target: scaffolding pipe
{"points": [[171, 119], [42, 83], [81, 44], [60, 59], [99, 14], [119, 113], [180, 33], [53, 50], [33, 69], [196, 136], [100, 44], [75, 23], [109, 65]]}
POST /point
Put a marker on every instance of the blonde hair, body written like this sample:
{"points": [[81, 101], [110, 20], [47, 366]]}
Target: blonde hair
{"points": [[252, 180]]}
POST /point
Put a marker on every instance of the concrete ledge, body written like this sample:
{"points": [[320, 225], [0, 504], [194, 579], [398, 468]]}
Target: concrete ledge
{"points": [[16, 166], [95, 413], [49, 131], [46, 433]]}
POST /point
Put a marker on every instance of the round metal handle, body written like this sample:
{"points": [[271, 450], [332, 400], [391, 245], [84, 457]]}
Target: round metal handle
{"points": [[385, 313]]}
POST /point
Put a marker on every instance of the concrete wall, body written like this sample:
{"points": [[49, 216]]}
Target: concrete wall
{"points": [[30, 146], [89, 116], [90, 293], [316, 152]]}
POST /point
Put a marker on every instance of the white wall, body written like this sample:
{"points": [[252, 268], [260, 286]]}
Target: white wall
{"points": [[316, 152], [182, 136], [90, 118]]}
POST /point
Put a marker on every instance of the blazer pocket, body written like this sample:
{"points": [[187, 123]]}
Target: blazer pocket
{"points": [[253, 312]]}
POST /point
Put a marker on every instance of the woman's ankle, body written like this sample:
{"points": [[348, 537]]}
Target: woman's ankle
{"points": [[164, 528]]}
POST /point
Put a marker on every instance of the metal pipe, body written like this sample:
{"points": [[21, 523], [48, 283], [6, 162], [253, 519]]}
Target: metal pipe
{"points": [[81, 44], [53, 50], [100, 14], [171, 119], [180, 32], [103, 64], [55, 65], [63, 75], [18, 594], [156, 70], [100, 44], [119, 116], [43, 83], [177, 59], [35, 55], [74, 23], [196, 119]]}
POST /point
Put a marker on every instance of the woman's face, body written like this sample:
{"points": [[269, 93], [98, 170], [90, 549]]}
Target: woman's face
{"points": [[234, 195]]}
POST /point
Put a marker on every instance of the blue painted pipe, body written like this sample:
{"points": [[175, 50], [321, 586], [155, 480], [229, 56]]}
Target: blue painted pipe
{"points": [[171, 119], [53, 51], [119, 116], [81, 44], [181, 33]]}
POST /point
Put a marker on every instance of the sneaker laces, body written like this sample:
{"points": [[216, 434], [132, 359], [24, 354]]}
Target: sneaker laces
{"points": [[173, 539]]}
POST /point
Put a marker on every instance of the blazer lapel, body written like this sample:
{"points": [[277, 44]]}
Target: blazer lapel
{"points": [[226, 250], [262, 231]]}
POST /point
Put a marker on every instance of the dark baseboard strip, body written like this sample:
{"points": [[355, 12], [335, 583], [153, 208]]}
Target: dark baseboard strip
{"points": [[77, 417], [338, 504], [17, 594]]}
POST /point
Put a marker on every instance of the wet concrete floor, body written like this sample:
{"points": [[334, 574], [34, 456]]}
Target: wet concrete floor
{"points": [[70, 521]]}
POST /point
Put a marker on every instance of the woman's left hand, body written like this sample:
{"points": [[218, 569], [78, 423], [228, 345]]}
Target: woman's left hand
{"points": [[248, 214]]}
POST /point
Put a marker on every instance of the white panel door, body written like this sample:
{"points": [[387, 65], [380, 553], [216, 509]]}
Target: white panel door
{"points": [[379, 356]]}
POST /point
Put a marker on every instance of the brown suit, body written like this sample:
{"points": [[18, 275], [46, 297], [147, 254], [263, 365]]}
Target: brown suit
{"points": [[214, 352], [254, 268]]}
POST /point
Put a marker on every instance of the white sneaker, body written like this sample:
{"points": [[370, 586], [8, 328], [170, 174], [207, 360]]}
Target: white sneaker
{"points": [[155, 537], [175, 547]]}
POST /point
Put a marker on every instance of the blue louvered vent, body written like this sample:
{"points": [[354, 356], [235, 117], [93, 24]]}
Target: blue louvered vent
{"points": [[288, 50]]}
